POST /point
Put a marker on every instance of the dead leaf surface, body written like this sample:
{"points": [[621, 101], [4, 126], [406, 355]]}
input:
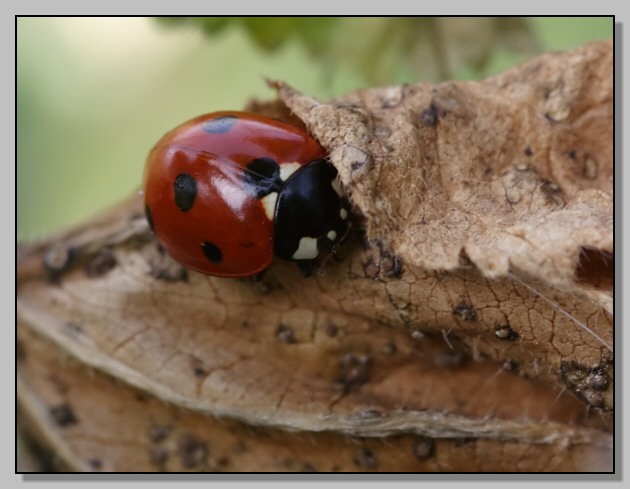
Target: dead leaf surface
{"points": [[474, 301]]}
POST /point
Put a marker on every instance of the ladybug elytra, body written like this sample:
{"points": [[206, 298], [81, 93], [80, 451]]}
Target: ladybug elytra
{"points": [[226, 191]]}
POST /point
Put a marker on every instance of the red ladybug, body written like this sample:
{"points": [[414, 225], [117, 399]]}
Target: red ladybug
{"points": [[226, 191]]}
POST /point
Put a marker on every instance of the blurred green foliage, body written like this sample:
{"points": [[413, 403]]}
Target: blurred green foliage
{"points": [[385, 49], [94, 94]]}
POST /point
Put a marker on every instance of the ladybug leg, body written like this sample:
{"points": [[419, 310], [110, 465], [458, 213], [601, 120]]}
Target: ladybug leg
{"points": [[306, 267], [259, 276], [334, 251]]}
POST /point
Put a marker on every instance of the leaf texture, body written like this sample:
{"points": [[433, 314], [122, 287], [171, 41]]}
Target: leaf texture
{"points": [[465, 326]]}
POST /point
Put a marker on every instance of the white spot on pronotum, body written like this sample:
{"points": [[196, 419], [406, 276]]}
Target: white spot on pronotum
{"points": [[307, 249], [331, 235], [269, 204], [343, 213], [336, 185], [288, 169]]}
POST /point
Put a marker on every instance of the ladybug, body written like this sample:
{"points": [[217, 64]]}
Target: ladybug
{"points": [[225, 192]]}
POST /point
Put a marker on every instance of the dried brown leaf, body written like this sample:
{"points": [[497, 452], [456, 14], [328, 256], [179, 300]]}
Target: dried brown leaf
{"points": [[477, 306], [514, 171], [108, 426]]}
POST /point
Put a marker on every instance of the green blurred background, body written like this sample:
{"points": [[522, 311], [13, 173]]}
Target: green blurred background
{"points": [[94, 94]]}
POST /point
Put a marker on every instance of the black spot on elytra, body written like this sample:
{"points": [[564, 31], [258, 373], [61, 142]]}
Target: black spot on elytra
{"points": [[212, 252], [220, 124], [185, 188], [63, 415], [149, 216], [528, 151], [262, 177]]}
